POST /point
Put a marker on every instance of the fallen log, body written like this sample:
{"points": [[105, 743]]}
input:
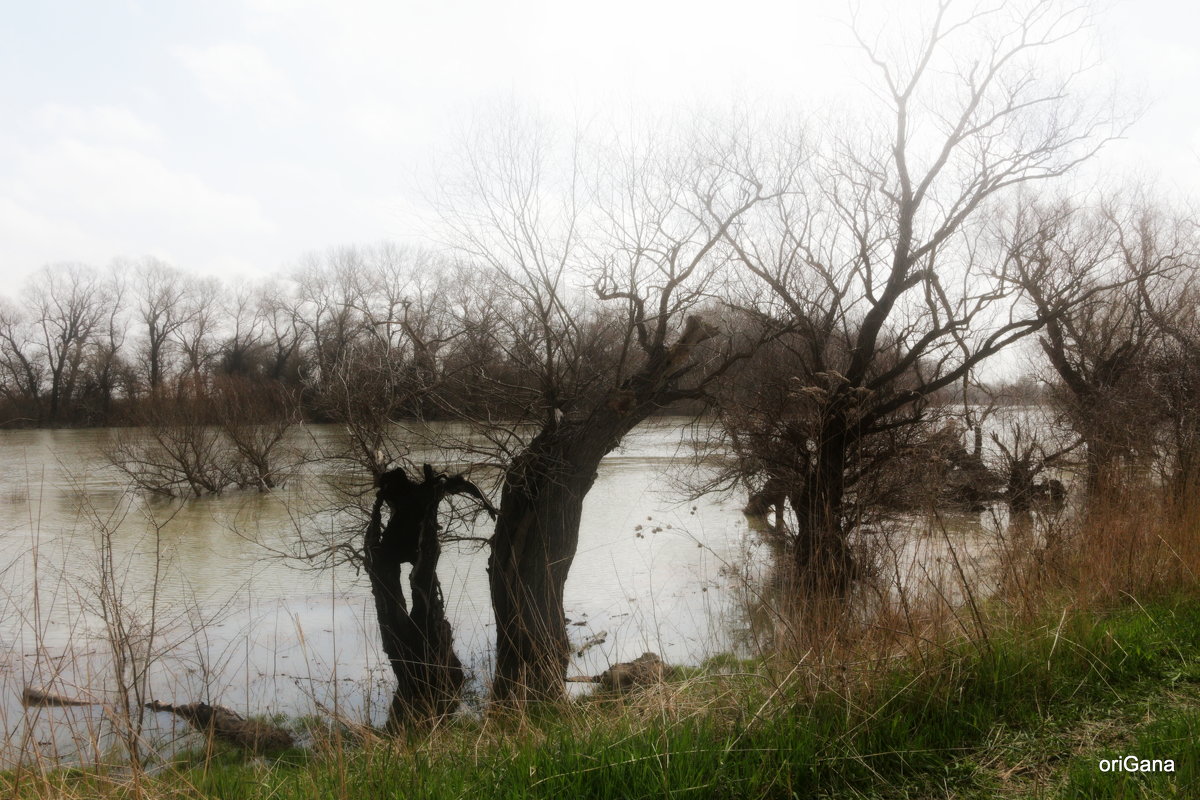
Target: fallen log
{"points": [[220, 723], [226, 725], [645, 670], [35, 698]]}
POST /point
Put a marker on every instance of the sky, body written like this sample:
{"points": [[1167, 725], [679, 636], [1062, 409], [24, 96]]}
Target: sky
{"points": [[230, 138]]}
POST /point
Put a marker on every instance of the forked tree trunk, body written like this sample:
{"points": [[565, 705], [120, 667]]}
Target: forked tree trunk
{"points": [[418, 642]]}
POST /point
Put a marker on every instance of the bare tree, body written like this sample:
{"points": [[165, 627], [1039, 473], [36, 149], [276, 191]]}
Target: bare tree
{"points": [[240, 349], [105, 361], [67, 303], [880, 256], [176, 451], [22, 364], [196, 332], [403, 298], [326, 311], [1171, 298], [1100, 347], [255, 418], [593, 286], [417, 639], [161, 294], [278, 313]]}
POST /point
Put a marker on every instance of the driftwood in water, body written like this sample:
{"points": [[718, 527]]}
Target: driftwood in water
{"points": [[417, 640], [226, 725], [35, 698], [645, 670], [220, 723]]}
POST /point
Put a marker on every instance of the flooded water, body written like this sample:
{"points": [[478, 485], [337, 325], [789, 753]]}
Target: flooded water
{"points": [[216, 609], [207, 594]]}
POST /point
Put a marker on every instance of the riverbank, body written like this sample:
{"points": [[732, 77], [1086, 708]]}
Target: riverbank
{"points": [[1028, 709]]}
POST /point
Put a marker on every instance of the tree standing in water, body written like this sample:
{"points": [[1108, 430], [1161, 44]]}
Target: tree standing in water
{"points": [[418, 638], [885, 263], [602, 285]]}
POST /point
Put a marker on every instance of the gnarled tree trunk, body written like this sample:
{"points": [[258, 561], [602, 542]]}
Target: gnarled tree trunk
{"points": [[825, 565], [418, 641], [537, 533], [537, 529]]}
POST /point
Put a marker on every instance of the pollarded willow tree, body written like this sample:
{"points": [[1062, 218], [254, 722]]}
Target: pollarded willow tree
{"points": [[882, 259], [1103, 350], [596, 270]]}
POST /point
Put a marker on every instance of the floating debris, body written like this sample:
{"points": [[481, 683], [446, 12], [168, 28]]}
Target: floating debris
{"points": [[592, 641]]}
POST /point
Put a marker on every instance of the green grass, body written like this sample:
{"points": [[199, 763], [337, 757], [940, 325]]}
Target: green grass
{"points": [[1028, 714]]}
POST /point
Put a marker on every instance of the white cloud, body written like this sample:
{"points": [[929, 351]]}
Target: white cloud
{"points": [[71, 200], [27, 236], [232, 74], [109, 182], [106, 123]]}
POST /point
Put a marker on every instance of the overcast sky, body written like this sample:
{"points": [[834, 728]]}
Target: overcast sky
{"points": [[231, 137]]}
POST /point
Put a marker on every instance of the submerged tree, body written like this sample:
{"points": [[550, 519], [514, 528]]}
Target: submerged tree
{"points": [[1100, 347], [882, 263], [1176, 365]]}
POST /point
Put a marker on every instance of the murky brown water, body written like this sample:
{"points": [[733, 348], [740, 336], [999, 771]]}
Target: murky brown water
{"points": [[236, 624]]}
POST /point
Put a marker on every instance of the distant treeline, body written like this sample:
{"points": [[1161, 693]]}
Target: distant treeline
{"points": [[87, 346]]}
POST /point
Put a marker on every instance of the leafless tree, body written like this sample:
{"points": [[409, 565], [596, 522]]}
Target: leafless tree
{"points": [[326, 313], [239, 352], [277, 310], [417, 639], [595, 270], [1171, 299], [1100, 347], [176, 451], [255, 418], [67, 303], [160, 293], [881, 256], [23, 366], [199, 322], [403, 296], [105, 361]]}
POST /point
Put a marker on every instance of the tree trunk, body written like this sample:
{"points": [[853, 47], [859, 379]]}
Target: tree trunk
{"points": [[537, 532], [418, 642], [1103, 469], [825, 565], [537, 529]]}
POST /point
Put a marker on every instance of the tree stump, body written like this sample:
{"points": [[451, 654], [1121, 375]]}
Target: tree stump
{"points": [[645, 670]]}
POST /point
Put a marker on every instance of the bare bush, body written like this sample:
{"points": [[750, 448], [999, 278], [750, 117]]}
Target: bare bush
{"points": [[193, 446]]}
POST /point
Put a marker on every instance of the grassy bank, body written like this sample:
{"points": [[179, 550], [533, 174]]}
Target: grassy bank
{"points": [[1026, 711]]}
